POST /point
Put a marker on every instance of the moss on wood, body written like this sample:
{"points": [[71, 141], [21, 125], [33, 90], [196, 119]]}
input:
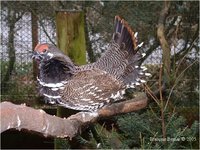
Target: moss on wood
{"points": [[71, 35]]}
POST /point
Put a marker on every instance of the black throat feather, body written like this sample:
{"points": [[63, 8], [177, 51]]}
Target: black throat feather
{"points": [[54, 71]]}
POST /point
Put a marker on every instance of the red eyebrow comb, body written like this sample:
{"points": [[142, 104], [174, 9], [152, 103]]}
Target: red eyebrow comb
{"points": [[41, 47]]}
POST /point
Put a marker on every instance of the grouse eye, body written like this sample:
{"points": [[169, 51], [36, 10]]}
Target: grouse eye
{"points": [[45, 50]]}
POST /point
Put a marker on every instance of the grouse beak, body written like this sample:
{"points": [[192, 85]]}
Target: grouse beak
{"points": [[36, 56], [42, 56]]}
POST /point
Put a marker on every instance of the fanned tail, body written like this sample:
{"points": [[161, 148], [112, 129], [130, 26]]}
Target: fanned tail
{"points": [[122, 59], [123, 34]]}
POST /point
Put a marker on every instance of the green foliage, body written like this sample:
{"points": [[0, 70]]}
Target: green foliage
{"points": [[19, 68], [108, 139], [144, 131], [186, 91], [4, 66], [91, 143], [21, 85], [61, 143], [100, 138]]}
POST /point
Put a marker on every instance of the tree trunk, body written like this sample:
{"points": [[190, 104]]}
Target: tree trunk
{"points": [[11, 50], [163, 42], [166, 59], [71, 35], [34, 25]]}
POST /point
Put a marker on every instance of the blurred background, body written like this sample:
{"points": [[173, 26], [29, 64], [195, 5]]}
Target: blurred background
{"points": [[26, 23]]}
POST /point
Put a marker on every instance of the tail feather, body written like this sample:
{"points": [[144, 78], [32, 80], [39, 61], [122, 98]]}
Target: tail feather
{"points": [[126, 34], [122, 56]]}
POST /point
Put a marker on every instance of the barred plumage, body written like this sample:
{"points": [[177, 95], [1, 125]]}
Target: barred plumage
{"points": [[91, 86]]}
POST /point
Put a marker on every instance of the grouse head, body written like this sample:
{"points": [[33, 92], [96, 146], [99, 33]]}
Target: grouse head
{"points": [[46, 52]]}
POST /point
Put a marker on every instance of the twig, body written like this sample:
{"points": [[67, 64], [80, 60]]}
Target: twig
{"points": [[151, 94], [162, 104], [162, 38], [176, 82]]}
